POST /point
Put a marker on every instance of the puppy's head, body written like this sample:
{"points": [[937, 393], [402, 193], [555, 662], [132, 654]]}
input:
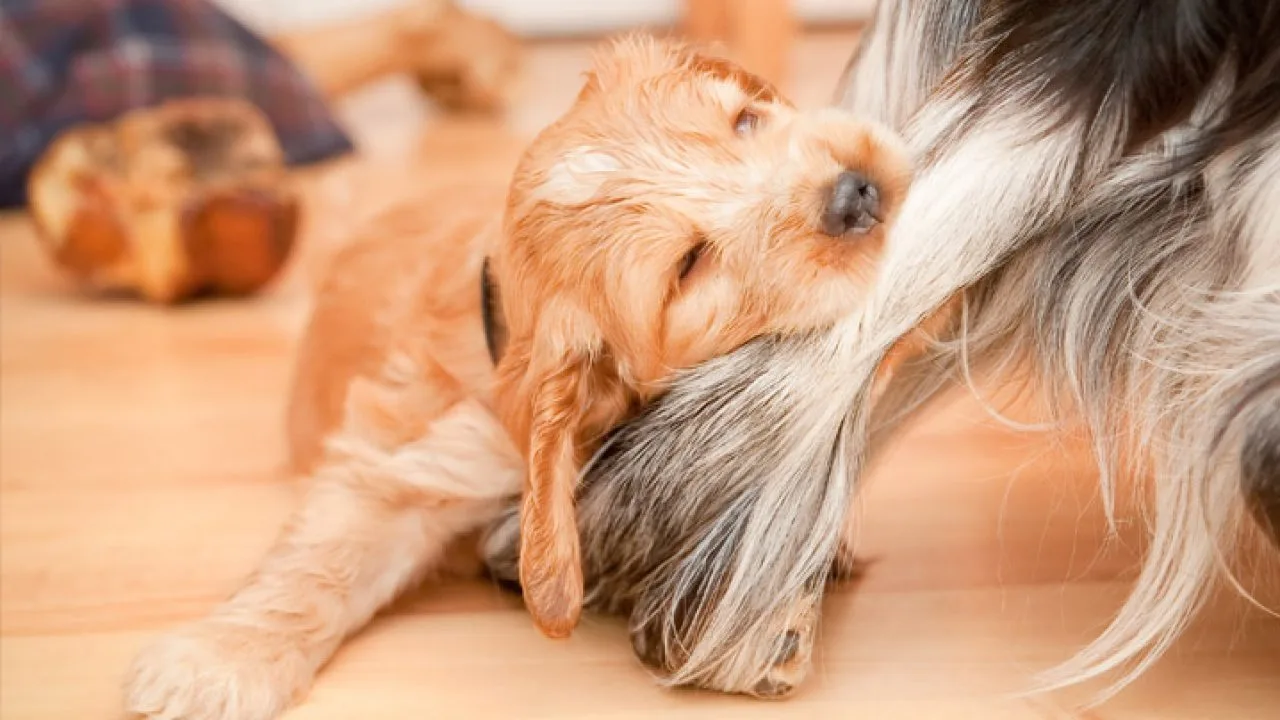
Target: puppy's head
{"points": [[679, 209]]}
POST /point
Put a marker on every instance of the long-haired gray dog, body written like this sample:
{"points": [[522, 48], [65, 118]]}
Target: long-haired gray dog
{"points": [[1099, 195]]}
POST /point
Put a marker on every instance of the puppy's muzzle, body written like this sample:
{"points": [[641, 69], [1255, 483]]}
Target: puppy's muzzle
{"points": [[853, 205]]}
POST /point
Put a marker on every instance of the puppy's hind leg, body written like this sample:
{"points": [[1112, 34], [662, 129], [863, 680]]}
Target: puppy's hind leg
{"points": [[373, 522]]}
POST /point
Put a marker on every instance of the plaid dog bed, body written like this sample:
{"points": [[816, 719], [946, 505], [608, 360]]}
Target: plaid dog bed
{"points": [[65, 62]]}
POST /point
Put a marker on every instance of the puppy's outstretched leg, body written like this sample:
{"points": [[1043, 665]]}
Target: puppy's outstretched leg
{"points": [[374, 521]]}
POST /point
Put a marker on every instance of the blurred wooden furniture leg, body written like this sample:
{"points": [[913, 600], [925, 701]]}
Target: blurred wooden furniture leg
{"points": [[341, 57], [463, 60], [760, 33], [707, 21]]}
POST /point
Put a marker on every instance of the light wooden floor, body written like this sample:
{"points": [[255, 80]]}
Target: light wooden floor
{"points": [[140, 472]]}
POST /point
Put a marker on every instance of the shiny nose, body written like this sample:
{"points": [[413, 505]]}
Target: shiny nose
{"points": [[852, 206]]}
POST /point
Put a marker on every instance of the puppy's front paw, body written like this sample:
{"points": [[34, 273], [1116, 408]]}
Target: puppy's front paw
{"points": [[215, 671], [785, 658], [794, 658]]}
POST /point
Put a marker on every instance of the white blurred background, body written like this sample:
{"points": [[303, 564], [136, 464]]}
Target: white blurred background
{"points": [[389, 114], [527, 17]]}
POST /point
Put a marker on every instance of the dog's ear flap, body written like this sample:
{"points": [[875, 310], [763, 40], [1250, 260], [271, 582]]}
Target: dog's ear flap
{"points": [[542, 394]]}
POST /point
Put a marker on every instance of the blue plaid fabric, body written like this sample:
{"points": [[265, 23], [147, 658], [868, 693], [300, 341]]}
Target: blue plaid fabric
{"points": [[65, 62]]}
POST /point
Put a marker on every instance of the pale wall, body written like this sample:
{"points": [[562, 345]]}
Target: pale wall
{"points": [[529, 17]]}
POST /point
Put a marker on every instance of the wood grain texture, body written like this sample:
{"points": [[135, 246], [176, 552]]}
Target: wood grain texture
{"points": [[141, 476]]}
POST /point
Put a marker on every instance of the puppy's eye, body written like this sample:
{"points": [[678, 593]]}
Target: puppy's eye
{"points": [[746, 122], [690, 259]]}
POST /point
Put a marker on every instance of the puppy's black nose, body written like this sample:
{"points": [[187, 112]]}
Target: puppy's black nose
{"points": [[852, 206]]}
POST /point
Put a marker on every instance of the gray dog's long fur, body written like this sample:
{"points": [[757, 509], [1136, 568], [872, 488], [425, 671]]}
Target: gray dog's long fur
{"points": [[1106, 209]]}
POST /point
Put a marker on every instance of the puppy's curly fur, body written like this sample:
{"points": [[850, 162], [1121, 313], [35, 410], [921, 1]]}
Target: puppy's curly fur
{"points": [[678, 210]]}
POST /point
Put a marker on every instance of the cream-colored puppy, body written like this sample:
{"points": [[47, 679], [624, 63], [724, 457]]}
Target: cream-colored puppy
{"points": [[679, 209]]}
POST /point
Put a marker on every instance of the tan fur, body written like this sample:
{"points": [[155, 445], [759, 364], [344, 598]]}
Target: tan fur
{"points": [[413, 438]]}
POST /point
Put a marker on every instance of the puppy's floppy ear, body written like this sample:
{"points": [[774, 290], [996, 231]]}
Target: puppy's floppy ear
{"points": [[543, 394]]}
